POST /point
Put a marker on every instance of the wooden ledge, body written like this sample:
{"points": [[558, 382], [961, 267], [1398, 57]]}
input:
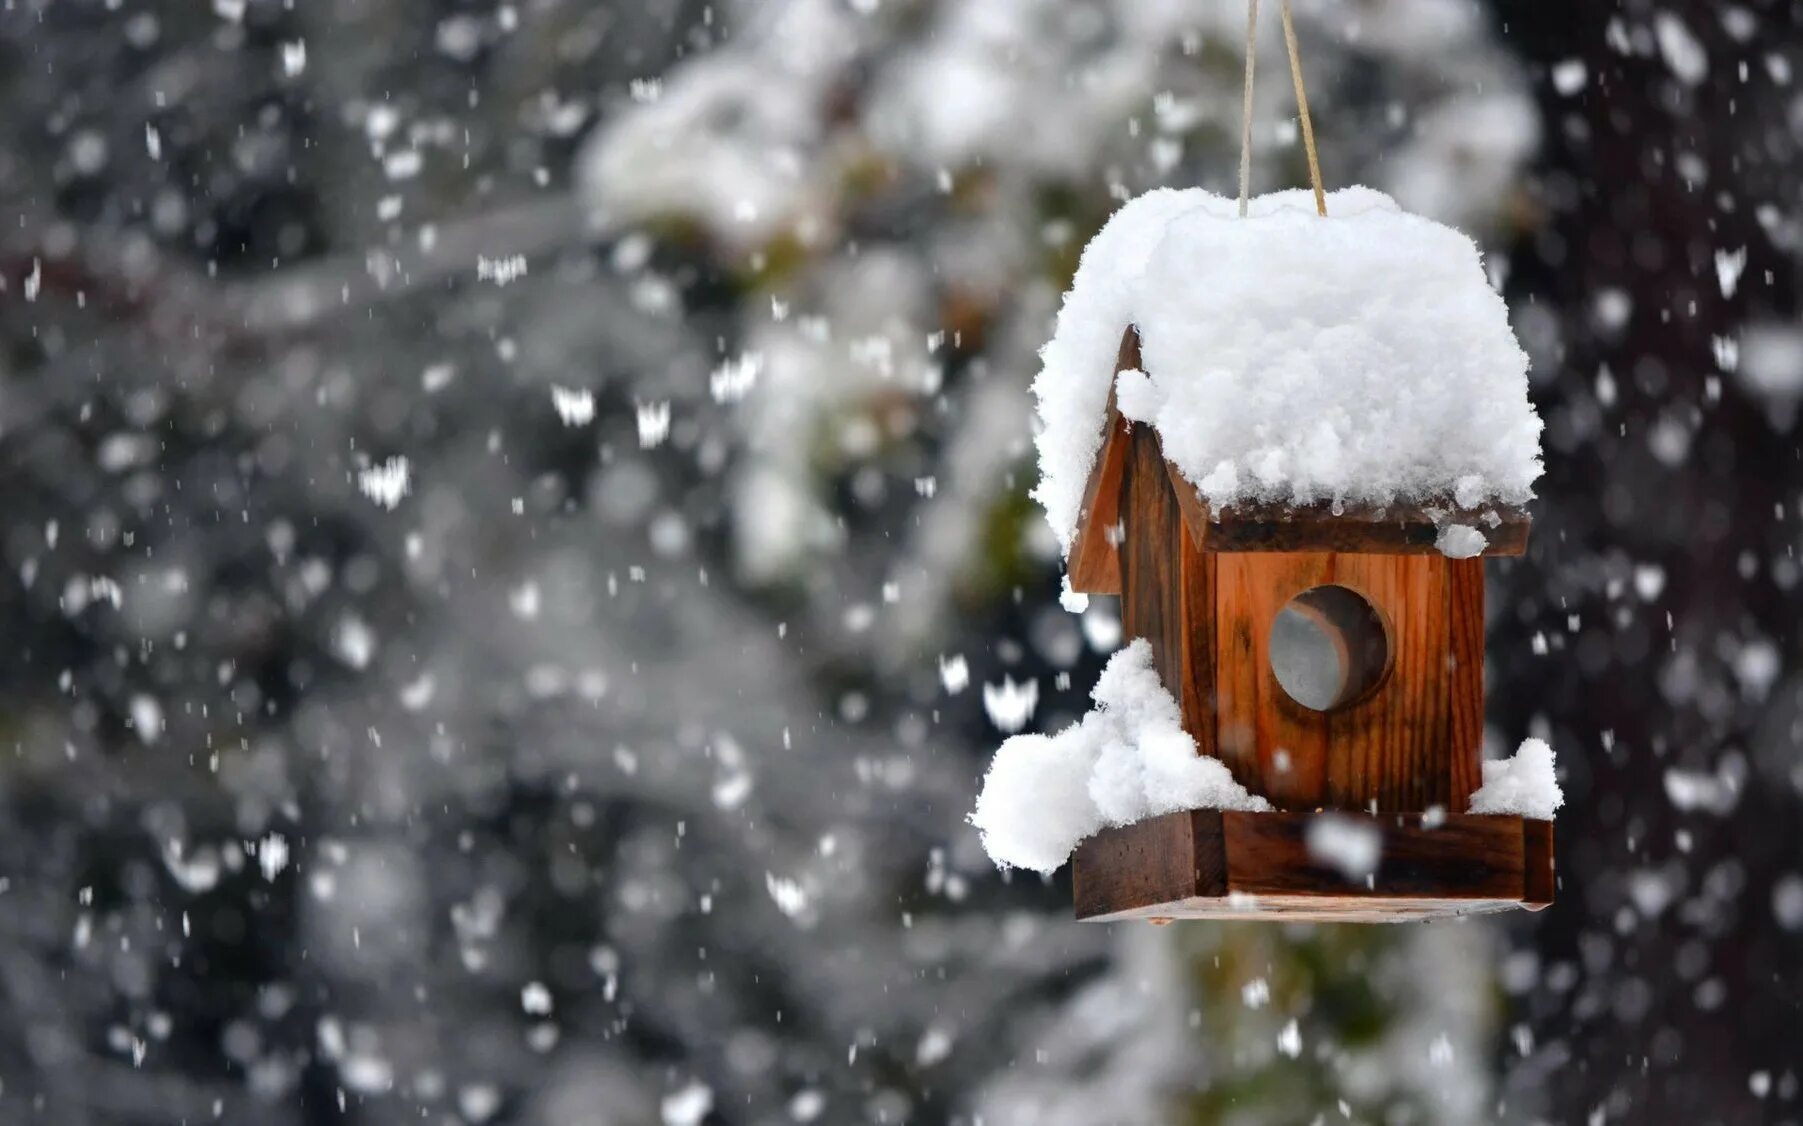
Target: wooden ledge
{"points": [[1207, 864]]}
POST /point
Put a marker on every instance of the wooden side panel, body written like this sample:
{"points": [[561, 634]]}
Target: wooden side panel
{"points": [[1394, 529], [1392, 748], [1540, 876], [1234, 865], [1151, 553], [1197, 611], [1465, 747], [1167, 588], [1158, 860], [1095, 563], [1095, 560], [1474, 856]]}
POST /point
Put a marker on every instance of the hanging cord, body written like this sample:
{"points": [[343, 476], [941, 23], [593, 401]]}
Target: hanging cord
{"points": [[1308, 128], [1246, 105]]}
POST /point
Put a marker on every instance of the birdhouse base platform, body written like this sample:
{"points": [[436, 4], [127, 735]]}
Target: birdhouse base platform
{"points": [[1209, 864]]}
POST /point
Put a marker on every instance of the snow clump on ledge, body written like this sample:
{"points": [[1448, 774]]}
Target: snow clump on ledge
{"points": [[1290, 359], [1127, 760], [1524, 784]]}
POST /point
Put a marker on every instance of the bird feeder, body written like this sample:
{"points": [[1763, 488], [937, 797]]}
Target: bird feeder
{"points": [[1387, 734], [1313, 432]]}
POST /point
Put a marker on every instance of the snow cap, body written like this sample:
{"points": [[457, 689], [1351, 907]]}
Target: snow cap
{"points": [[1288, 358]]}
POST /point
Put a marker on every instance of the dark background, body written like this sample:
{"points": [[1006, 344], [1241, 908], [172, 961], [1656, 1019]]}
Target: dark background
{"points": [[602, 780]]}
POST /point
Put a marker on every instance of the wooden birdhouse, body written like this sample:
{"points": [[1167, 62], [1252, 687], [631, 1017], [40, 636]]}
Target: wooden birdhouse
{"points": [[1373, 720]]}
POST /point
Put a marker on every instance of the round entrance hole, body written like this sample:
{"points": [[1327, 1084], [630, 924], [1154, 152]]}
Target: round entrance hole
{"points": [[1329, 648]]}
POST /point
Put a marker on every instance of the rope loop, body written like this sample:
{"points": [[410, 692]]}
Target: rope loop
{"points": [[1308, 125], [1308, 128]]}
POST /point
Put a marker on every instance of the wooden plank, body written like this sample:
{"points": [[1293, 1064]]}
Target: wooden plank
{"points": [[1095, 564], [1465, 742], [1389, 752], [1152, 586], [1154, 861], [1539, 872], [1196, 611], [1386, 751], [1095, 561], [1274, 746], [1190, 503], [1394, 529], [1309, 909], [1168, 587], [1236, 865], [1471, 856]]}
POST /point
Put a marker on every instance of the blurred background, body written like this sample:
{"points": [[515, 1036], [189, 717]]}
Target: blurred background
{"points": [[517, 555]]}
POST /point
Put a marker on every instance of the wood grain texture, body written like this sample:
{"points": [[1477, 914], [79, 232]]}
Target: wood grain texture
{"points": [[1167, 587], [1390, 748], [1235, 865], [1094, 564], [1465, 742], [1394, 529], [1154, 861], [1472, 856], [1540, 874], [1189, 502]]}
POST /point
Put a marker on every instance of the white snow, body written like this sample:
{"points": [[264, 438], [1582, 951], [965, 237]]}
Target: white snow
{"points": [[1460, 541], [1350, 847], [147, 717], [501, 270], [1523, 784], [272, 855], [1010, 705], [654, 423], [575, 406], [788, 895], [386, 483], [1288, 358], [1289, 1041], [1728, 267], [1680, 49], [1126, 760], [734, 379], [1771, 367], [954, 673], [688, 1106], [1716, 793], [1570, 76]]}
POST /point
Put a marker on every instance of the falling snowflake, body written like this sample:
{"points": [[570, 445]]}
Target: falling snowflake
{"points": [[386, 483], [576, 408]]}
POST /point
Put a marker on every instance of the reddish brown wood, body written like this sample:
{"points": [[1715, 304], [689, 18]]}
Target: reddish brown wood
{"points": [[1167, 586], [1189, 502], [1154, 861], [1207, 864], [1395, 529], [1388, 750], [1095, 564], [1465, 620], [1472, 856], [1542, 879]]}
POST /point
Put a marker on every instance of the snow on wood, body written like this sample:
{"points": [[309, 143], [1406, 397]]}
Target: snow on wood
{"points": [[1460, 541], [1523, 784], [1348, 846], [1127, 760], [1361, 358]]}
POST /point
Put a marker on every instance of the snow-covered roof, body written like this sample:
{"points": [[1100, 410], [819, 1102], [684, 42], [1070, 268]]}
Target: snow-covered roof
{"points": [[1290, 359]]}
